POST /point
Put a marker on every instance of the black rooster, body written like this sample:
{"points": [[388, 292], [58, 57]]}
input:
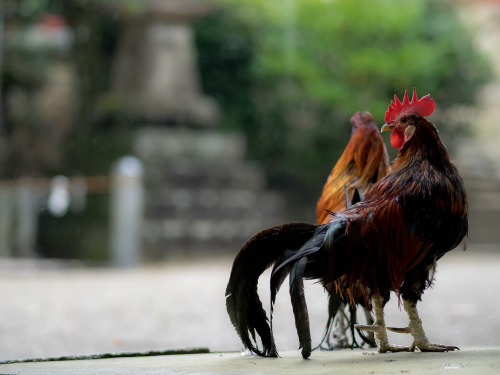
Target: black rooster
{"points": [[389, 242]]}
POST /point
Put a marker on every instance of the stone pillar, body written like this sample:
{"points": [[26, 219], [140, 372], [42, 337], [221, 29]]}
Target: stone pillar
{"points": [[156, 74]]}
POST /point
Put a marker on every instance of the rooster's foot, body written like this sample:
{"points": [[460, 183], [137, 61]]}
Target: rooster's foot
{"points": [[399, 329], [427, 347], [393, 348]]}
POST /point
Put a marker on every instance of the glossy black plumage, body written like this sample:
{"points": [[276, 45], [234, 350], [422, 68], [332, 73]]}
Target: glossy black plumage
{"points": [[242, 301]]}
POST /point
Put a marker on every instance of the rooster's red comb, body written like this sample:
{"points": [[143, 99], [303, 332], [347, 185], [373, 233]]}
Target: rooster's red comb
{"points": [[421, 107]]}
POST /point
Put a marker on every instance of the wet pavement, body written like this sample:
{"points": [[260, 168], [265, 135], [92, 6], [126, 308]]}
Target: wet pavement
{"points": [[54, 309]]}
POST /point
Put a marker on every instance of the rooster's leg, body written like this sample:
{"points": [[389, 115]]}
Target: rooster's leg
{"points": [[420, 340], [379, 328], [369, 319]]}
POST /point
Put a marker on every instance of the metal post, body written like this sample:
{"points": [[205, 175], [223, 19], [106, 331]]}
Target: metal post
{"points": [[127, 200]]}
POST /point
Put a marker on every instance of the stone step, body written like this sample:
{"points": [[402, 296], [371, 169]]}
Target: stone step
{"points": [[174, 235], [203, 229], [483, 194], [188, 174], [201, 194], [484, 208], [214, 203], [163, 143], [481, 183]]}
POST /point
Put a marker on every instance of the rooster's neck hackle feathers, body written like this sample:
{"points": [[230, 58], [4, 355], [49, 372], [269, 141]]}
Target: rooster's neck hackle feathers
{"points": [[426, 145], [421, 107], [363, 162]]}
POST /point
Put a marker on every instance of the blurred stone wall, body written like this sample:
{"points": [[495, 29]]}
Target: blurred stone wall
{"points": [[201, 194], [478, 154]]}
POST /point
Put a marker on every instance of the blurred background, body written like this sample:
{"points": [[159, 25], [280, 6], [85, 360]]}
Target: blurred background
{"points": [[143, 142]]}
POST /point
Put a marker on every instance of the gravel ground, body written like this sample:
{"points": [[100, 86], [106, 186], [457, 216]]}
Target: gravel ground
{"points": [[54, 309]]}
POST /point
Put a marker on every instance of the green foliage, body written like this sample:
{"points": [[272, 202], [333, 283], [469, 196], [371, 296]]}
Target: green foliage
{"points": [[310, 64]]}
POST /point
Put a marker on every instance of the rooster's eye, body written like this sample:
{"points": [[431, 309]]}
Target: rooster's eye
{"points": [[403, 119]]}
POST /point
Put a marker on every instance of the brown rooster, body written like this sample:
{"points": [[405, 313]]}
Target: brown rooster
{"points": [[363, 162], [389, 242]]}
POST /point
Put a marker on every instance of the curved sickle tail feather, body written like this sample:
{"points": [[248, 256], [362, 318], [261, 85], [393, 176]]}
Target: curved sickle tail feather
{"points": [[242, 300], [299, 264], [300, 307]]}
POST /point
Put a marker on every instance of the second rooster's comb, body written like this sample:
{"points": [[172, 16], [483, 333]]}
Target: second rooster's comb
{"points": [[421, 107]]}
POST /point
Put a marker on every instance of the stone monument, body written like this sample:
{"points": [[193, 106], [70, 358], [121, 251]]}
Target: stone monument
{"points": [[155, 74], [201, 194]]}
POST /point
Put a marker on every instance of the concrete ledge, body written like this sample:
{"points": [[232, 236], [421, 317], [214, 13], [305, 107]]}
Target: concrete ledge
{"points": [[473, 360]]}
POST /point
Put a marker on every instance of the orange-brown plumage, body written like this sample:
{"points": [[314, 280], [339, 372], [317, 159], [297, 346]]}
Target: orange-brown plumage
{"points": [[363, 162]]}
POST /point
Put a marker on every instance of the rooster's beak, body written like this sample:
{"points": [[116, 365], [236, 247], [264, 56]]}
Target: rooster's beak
{"points": [[386, 127]]}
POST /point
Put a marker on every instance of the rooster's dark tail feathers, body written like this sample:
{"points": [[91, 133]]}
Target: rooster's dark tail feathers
{"points": [[242, 301]]}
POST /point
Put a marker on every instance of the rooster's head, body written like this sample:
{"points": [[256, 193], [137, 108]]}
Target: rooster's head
{"points": [[400, 117]]}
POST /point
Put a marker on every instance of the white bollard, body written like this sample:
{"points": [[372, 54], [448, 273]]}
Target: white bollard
{"points": [[27, 209], [127, 201]]}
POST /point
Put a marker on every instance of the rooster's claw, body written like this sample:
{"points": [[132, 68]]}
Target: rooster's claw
{"points": [[399, 330], [434, 348]]}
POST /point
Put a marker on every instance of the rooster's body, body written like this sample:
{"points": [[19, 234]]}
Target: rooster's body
{"points": [[363, 162], [389, 242]]}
